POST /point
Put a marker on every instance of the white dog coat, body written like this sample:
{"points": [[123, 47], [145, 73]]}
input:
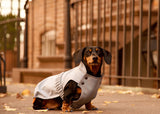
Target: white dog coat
{"points": [[53, 86]]}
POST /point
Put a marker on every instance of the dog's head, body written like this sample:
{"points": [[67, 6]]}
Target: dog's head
{"points": [[92, 57]]}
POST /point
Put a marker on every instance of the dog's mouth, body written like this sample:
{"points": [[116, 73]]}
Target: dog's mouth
{"points": [[95, 63]]}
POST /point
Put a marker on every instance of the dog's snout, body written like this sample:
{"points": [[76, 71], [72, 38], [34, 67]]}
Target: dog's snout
{"points": [[95, 58]]}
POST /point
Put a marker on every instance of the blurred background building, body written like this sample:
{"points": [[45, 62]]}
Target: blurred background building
{"points": [[55, 29]]}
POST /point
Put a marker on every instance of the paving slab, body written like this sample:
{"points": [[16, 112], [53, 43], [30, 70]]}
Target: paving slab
{"points": [[109, 100]]}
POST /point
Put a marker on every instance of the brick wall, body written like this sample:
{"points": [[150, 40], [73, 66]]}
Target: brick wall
{"points": [[42, 15]]}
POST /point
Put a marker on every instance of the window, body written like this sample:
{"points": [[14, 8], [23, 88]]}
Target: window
{"points": [[48, 43]]}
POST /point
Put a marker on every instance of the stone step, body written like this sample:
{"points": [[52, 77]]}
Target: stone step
{"points": [[24, 75]]}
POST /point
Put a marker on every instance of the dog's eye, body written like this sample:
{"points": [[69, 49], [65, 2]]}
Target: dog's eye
{"points": [[97, 49], [90, 50]]}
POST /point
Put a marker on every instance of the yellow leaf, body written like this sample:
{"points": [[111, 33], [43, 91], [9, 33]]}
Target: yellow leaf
{"points": [[85, 112], [99, 90], [3, 95], [140, 93], [7, 108], [26, 92], [125, 92], [155, 96], [107, 102], [133, 104], [44, 110], [99, 111], [115, 101]]}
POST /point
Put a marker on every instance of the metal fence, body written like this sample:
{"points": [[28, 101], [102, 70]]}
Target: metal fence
{"points": [[129, 29], [3, 88]]}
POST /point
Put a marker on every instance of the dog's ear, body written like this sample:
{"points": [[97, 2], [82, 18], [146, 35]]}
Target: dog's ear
{"points": [[78, 55], [107, 56]]}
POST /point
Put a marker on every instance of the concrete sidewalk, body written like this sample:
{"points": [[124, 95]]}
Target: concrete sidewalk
{"points": [[110, 100]]}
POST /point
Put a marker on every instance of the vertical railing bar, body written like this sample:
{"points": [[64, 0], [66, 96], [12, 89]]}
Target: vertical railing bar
{"points": [[98, 23], [132, 37], [148, 39], [86, 22], [117, 37], [55, 24], [1, 81], [124, 45], [32, 53], [110, 41], [81, 26], [91, 21], [74, 25], [4, 70], [44, 24], [76, 36], [104, 22], [158, 45], [140, 42], [104, 30]]}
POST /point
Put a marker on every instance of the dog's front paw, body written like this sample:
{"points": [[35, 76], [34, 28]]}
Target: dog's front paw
{"points": [[66, 107], [89, 106]]}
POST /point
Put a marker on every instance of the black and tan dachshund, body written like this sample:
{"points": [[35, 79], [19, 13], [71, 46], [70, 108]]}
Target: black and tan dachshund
{"points": [[76, 87]]}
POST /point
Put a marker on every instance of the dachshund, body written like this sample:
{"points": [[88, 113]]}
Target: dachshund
{"points": [[76, 87]]}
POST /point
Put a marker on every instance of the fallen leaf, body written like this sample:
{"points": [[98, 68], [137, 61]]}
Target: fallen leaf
{"points": [[85, 112], [99, 111], [26, 92], [99, 90], [125, 92], [133, 104], [107, 102], [7, 108], [115, 101], [18, 96], [140, 93], [155, 96], [3, 95], [43, 110]]}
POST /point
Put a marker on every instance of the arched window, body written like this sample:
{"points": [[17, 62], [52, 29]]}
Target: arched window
{"points": [[48, 43]]}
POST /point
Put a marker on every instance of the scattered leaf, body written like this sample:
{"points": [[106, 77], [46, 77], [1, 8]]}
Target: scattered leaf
{"points": [[43, 110], [125, 92], [107, 102], [99, 111], [85, 112], [115, 101], [3, 95], [7, 108], [140, 93], [133, 104], [99, 90], [155, 96], [18, 96], [26, 92]]}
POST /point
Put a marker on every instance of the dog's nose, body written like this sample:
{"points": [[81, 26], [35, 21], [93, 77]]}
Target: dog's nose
{"points": [[95, 58]]}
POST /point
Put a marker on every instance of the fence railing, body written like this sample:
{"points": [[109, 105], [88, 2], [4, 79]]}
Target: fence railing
{"points": [[3, 88], [130, 30]]}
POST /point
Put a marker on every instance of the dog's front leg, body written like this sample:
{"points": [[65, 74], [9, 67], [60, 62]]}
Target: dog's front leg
{"points": [[66, 106], [69, 93], [89, 106]]}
